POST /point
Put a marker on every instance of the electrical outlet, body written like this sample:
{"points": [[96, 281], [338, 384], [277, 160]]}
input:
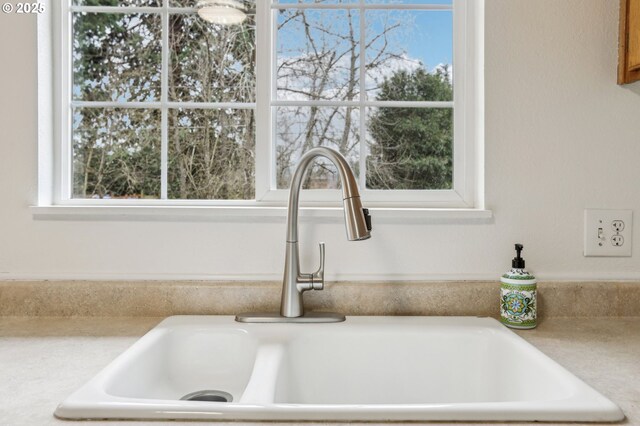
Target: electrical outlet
{"points": [[618, 225], [607, 232], [617, 240]]}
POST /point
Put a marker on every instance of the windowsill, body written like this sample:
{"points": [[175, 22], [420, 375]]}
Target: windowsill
{"points": [[251, 213]]}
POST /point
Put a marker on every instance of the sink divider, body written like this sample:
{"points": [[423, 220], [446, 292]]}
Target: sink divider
{"points": [[261, 387]]}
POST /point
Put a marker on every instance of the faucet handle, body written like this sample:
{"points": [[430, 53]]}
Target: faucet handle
{"points": [[317, 278]]}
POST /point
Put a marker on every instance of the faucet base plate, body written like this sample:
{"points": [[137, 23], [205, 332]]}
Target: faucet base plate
{"points": [[274, 317]]}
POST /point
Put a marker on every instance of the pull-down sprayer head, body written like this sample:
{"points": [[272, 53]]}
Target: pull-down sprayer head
{"points": [[357, 219]]}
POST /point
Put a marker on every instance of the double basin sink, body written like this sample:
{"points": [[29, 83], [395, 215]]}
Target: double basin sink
{"points": [[364, 369]]}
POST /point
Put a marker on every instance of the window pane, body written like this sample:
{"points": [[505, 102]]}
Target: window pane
{"points": [[410, 148], [116, 57], [116, 153], [211, 154], [445, 2], [211, 63], [146, 3], [404, 41], [318, 54], [316, 1], [299, 129]]}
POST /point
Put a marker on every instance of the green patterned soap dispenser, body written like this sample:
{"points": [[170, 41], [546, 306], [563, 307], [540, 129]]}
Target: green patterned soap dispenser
{"points": [[518, 304]]}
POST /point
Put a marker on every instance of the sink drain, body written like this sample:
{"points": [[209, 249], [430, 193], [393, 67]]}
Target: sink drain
{"points": [[209, 395]]}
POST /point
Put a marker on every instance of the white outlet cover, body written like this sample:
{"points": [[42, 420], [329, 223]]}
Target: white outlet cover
{"points": [[599, 232]]}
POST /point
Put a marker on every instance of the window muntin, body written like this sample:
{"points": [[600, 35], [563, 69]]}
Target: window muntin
{"points": [[188, 113], [325, 96], [142, 58]]}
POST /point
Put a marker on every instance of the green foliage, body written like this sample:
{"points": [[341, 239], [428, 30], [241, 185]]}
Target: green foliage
{"points": [[412, 148], [116, 151], [117, 57]]}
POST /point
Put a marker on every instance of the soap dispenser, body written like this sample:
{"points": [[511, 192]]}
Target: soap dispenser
{"points": [[518, 304]]}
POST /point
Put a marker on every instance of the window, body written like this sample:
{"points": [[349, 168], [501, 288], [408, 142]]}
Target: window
{"points": [[159, 106]]}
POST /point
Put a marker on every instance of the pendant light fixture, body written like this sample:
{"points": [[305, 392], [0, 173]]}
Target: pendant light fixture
{"points": [[222, 12]]}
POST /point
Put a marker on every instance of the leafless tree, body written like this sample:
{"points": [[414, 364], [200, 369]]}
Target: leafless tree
{"points": [[324, 65], [212, 151]]}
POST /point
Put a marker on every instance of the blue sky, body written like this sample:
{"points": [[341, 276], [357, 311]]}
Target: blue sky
{"points": [[427, 37], [424, 35], [437, 46]]}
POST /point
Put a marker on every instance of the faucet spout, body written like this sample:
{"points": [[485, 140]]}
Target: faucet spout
{"points": [[295, 283], [357, 223]]}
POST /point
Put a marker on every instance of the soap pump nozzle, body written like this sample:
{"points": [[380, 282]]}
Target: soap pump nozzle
{"points": [[518, 261]]}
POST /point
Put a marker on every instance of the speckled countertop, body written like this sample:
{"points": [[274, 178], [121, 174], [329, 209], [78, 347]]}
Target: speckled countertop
{"points": [[42, 360]]}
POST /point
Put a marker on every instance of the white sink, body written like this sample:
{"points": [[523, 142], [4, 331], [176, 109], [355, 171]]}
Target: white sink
{"points": [[367, 368]]}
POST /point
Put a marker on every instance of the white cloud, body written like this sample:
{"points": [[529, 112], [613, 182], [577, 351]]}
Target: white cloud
{"points": [[300, 77]]}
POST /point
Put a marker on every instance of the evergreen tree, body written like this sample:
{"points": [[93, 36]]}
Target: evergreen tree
{"points": [[116, 57], [412, 148]]}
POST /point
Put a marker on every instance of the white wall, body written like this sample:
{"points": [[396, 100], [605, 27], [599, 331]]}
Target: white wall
{"points": [[560, 136]]}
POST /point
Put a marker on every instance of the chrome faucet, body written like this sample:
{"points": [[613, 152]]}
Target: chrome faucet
{"points": [[295, 283]]}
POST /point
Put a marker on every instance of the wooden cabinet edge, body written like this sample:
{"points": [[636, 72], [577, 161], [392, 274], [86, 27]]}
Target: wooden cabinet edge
{"points": [[625, 75]]}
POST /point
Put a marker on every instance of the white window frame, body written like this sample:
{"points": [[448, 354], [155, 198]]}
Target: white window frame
{"points": [[467, 193]]}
